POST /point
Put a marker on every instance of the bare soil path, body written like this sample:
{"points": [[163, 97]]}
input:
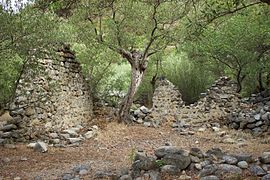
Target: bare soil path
{"points": [[110, 151]]}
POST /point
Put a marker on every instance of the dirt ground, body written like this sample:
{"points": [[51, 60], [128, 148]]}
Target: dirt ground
{"points": [[111, 150]]}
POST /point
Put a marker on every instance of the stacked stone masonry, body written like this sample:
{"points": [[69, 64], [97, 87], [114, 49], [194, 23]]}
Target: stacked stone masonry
{"points": [[254, 115], [167, 102], [52, 97]]}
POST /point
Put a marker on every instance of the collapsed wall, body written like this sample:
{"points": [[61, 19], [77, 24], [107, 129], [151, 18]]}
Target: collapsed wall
{"points": [[254, 116], [50, 97], [167, 102]]}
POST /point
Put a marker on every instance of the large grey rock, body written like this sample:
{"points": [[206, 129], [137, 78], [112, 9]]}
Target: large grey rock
{"points": [[216, 152], [265, 158], [41, 147], [256, 170], [170, 169], [196, 152], [164, 150], [53, 135], [257, 117], [181, 161], [147, 164]]}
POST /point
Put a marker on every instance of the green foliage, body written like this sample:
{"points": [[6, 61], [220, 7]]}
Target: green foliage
{"points": [[236, 44], [160, 163]]}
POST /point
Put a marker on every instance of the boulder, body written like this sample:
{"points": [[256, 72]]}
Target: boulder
{"points": [[265, 158], [257, 170], [164, 150]]}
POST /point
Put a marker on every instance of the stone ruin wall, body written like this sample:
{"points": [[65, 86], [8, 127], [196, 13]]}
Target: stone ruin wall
{"points": [[52, 98], [167, 101], [254, 115]]}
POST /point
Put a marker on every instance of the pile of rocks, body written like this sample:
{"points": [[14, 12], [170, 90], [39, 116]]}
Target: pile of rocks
{"points": [[167, 102], [214, 164], [254, 116], [166, 105], [221, 95], [51, 97]]}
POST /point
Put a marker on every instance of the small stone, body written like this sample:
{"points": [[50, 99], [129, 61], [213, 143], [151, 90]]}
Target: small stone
{"points": [[198, 166], [257, 170], [83, 172], [229, 141], [147, 124], [10, 146], [41, 147], [265, 158], [212, 177], [67, 176], [201, 129], [71, 132], [90, 134], [74, 140], [125, 177], [244, 157], [216, 129], [66, 136], [184, 177], [257, 117], [242, 164], [170, 169], [55, 141], [230, 159], [31, 145], [144, 109], [6, 160], [9, 127], [53, 135], [24, 159], [266, 177], [17, 178]]}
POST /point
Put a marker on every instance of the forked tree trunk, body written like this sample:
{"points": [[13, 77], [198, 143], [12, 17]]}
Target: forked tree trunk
{"points": [[137, 74]]}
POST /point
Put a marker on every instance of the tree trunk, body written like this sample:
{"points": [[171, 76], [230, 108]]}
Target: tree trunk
{"points": [[137, 74]]}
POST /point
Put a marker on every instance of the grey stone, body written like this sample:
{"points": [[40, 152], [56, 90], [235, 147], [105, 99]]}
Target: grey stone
{"points": [[196, 152], [83, 172], [41, 147], [265, 158], [266, 177], [2, 141], [216, 152], [66, 136], [8, 127], [220, 169], [266, 167], [181, 161], [256, 170], [230, 159], [170, 169], [265, 116], [198, 166], [79, 168], [71, 132], [67, 176], [147, 124], [53, 135], [242, 164], [10, 146], [259, 123], [125, 177], [257, 117], [164, 150], [244, 157], [74, 140], [209, 178], [90, 134], [145, 110], [146, 164]]}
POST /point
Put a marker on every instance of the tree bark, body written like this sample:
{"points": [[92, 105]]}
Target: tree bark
{"points": [[137, 74]]}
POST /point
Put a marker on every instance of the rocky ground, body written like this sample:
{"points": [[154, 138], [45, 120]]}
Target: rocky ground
{"points": [[112, 151]]}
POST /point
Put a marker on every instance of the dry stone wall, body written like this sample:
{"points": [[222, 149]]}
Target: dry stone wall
{"points": [[254, 115], [50, 98]]}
